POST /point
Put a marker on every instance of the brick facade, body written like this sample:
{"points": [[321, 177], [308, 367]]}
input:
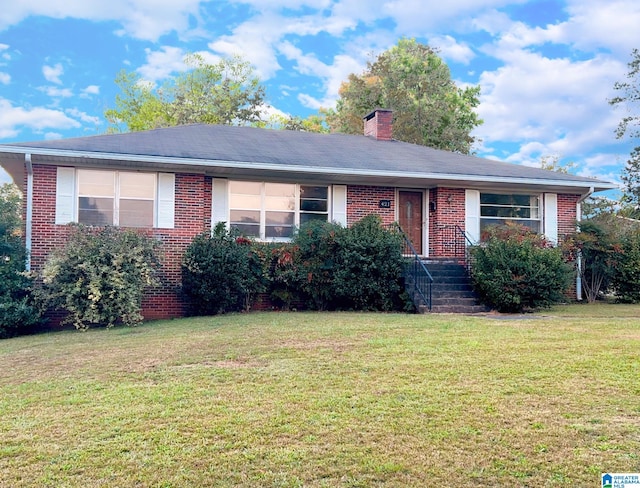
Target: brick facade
{"points": [[567, 214], [449, 212], [365, 200], [193, 193], [192, 216]]}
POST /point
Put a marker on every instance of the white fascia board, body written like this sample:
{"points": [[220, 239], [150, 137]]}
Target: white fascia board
{"points": [[256, 166]]}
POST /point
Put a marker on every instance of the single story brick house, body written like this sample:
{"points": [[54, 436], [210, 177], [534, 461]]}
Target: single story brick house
{"points": [[180, 181]]}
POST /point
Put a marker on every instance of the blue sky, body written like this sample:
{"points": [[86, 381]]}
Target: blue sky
{"points": [[546, 68]]}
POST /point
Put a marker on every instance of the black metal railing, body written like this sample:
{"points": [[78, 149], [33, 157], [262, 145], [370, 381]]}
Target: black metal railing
{"points": [[463, 248], [418, 281]]}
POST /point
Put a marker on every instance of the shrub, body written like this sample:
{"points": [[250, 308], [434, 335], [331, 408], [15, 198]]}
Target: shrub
{"points": [[221, 272], [516, 269], [626, 278], [18, 311], [99, 276], [283, 273], [317, 247], [369, 264], [355, 268]]}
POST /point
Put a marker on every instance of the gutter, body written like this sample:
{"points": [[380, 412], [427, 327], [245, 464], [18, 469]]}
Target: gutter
{"points": [[29, 215]]}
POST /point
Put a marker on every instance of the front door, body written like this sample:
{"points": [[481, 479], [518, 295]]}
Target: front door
{"points": [[410, 217]]}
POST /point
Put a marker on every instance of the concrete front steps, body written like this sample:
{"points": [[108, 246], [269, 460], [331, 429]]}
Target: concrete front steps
{"points": [[452, 291]]}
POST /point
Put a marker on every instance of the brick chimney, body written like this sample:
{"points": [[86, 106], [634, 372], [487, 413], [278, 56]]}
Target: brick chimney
{"points": [[379, 124]]}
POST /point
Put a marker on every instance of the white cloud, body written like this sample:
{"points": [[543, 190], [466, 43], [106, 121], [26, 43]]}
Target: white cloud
{"points": [[53, 73], [331, 75], [595, 24], [537, 98], [12, 119], [161, 64], [55, 92], [450, 49], [91, 90], [143, 19], [83, 116], [5, 78]]}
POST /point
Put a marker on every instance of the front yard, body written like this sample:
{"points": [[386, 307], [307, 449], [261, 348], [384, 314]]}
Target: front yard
{"points": [[326, 399]]}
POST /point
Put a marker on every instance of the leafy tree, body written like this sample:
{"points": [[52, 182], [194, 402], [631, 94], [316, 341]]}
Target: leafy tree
{"points": [[552, 163], [594, 247], [629, 97], [18, 312], [313, 123], [413, 81], [626, 279], [226, 92], [100, 275]]}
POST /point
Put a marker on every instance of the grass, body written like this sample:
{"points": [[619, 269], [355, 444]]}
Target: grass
{"points": [[324, 400]]}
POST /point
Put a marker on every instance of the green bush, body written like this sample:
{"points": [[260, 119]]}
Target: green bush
{"points": [[626, 278], [19, 312], [317, 247], [354, 268], [515, 270], [221, 272], [99, 276], [283, 274], [369, 265]]}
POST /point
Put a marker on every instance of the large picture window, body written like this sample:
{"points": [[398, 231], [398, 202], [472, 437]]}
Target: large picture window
{"points": [[271, 211], [499, 209], [120, 198]]}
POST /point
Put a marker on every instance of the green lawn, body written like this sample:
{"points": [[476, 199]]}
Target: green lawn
{"points": [[326, 399]]}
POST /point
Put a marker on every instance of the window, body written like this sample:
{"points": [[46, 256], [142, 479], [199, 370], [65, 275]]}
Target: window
{"points": [[498, 209], [271, 211]]}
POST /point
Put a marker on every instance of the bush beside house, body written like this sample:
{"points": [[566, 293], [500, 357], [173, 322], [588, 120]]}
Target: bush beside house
{"points": [[516, 270], [98, 278], [326, 266]]}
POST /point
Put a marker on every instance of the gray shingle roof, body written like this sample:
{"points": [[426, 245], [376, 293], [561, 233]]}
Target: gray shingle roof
{"points": [[221, 147]]}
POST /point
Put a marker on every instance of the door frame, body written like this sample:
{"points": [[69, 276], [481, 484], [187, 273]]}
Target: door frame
{"points": [[425, 215]]}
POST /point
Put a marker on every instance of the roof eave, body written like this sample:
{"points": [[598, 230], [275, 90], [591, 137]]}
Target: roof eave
{"points": [[331, 174]]}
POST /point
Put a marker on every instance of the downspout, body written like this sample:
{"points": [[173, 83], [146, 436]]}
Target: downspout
{"points": [[579, 257], [29, 215]]}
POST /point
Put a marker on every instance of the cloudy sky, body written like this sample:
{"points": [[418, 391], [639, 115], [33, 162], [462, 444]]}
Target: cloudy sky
{"points": [[546, 68]]}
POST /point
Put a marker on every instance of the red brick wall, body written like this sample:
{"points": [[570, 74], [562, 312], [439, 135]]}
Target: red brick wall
{"points": [[192, 216], [567, 208], [449, 213], [364, 200]]}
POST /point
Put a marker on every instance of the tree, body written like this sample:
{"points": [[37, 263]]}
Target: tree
{"points": [[629, 96], [552, 163], [413, 81], [226, 92]]}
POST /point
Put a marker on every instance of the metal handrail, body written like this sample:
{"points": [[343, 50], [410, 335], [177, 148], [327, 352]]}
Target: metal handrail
{"points": [[466, 242], [420, 281]]}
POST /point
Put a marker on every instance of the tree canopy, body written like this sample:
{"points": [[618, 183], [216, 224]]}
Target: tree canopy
{"points": [[226, 92], [413, 81], [629, 97]]}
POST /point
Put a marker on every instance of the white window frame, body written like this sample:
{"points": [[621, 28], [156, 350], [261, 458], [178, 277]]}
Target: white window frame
{"points": [[67, 197], [263, 210], [539, 219]]}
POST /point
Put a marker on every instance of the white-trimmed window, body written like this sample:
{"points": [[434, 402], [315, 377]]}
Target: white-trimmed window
{"points": [[271, 211], [502, 208], [120, 198]]}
